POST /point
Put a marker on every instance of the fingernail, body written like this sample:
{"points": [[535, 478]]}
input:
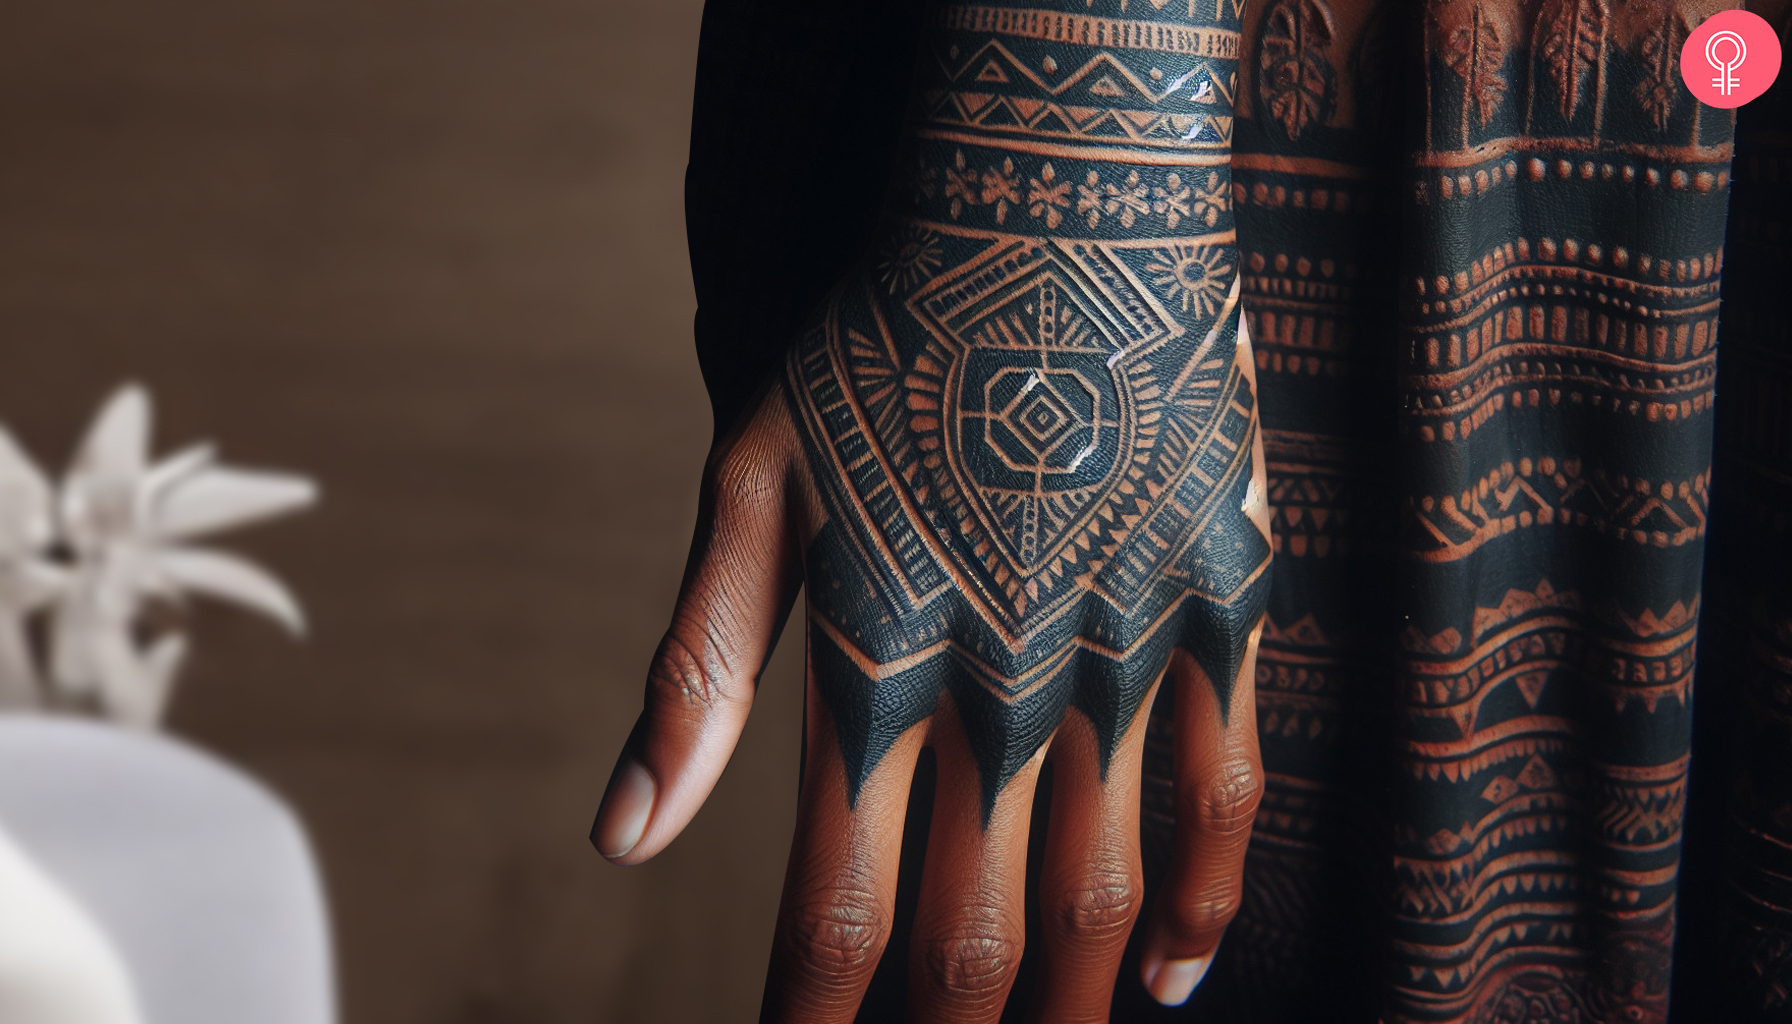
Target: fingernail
{"points": [[1171, 982], [626, 808]]}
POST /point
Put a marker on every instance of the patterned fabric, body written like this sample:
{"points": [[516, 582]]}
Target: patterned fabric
{"points": [[1483, 243], [1495, 356]]}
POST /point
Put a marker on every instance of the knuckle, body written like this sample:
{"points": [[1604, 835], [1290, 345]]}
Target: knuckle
{"points": [[687, 677], [742, 475], [834, 937], [1207, 910], [972, 962], [1226, 804], [1099, 908]]}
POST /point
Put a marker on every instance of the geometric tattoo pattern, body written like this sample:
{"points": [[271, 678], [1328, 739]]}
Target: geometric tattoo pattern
{"points": [[1024, 415]]}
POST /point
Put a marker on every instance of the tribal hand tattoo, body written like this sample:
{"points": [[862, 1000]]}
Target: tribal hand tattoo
{"points": [[1026, 415]]}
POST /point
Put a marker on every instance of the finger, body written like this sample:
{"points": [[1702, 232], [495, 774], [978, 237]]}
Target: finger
{"points": [[738, 585], [970, 925], [840, 888], [1090, 885], [1218, 784]]}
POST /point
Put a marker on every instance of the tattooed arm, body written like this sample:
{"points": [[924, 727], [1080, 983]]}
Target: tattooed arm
{"points": [[1015, 460]]}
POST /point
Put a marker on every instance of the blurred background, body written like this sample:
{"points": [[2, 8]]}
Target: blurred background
{"points": [[433, 255]]}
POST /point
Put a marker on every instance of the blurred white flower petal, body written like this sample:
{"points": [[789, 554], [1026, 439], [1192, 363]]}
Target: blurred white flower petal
{"points": [[30, 584], [99, 496], [230, 578], [26, 584], [215, 498], [28, 581], [25, 513], [117, 445], [172, 470]]}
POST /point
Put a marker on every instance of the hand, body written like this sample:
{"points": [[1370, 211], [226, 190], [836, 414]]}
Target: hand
{"points": [[1016, 464]]}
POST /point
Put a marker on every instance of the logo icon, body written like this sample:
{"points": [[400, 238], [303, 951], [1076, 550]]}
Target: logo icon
{"points": [[1730, 59], [1726, 80]]}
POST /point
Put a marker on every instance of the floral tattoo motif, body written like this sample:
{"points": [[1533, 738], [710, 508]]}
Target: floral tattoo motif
{"points": [[1047, 196], [993, 186]]}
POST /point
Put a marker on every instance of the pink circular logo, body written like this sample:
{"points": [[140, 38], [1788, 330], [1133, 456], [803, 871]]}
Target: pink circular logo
{"points": [[1730, 59]]}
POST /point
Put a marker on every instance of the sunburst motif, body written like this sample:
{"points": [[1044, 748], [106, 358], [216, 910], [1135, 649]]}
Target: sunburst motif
{"points": [[910, 259], [1193, 276]]}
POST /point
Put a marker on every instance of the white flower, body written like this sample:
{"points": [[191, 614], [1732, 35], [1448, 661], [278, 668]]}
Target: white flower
{"points": [[28, 580], [127, 523]]}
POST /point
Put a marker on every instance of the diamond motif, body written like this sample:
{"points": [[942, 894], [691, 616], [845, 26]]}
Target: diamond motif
{"points": [[1049, 424], [1044, 418]]}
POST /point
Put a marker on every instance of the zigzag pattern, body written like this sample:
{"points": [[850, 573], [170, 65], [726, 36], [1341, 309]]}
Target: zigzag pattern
{"points": [[1524, 640], [1642, 815], [1558, 491], [1526, 929], [1081, 123], [1101, 101]]}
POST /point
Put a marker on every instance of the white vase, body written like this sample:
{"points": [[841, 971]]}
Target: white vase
{"points": [[56, 964], [201, 878]]}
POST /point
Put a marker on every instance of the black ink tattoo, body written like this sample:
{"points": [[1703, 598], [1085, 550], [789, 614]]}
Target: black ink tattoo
{"points": [[1025, 416]]}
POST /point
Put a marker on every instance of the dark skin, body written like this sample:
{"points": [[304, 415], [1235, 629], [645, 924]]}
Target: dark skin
{"points": [[1016, 462]]}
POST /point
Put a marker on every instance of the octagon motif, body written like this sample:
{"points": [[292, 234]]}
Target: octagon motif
{"points": [[1038, 410]]}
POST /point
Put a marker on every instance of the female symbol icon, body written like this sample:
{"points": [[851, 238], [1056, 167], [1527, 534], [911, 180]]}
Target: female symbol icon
{"points": [[1711, 61], [1726, 80]]}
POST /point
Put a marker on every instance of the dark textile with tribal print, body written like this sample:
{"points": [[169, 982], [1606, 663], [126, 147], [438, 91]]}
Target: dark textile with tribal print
{"points": [[1548, 249], [1560, 292], [1025, 417]]}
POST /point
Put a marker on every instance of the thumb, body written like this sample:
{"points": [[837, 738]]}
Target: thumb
{"points": [[738, 587]]}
